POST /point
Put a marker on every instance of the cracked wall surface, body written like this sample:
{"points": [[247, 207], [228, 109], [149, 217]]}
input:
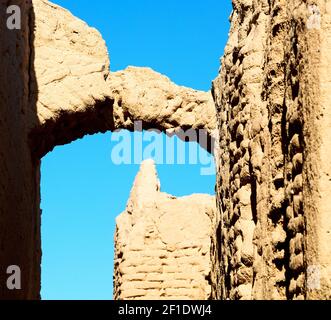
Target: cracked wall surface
{"points": [[163, 243], [272, 185], [141, 93], [76, 93]]}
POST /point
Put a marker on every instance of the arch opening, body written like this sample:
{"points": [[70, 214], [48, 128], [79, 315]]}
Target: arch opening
{"points": [[84, 187], [75, 94]]}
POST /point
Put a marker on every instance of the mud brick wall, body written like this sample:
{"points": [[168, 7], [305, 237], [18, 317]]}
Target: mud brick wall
{"points": [[268, 100], [19, 179], [163, 243], [270, 235], [56, 87]]}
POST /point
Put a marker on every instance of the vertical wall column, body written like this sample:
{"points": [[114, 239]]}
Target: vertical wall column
{"points": [[19, 173]]}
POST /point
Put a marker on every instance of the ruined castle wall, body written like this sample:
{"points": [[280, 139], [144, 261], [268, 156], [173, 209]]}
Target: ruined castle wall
{"points": [[271, 143], [243, 118], [35, 81], [19, 180], [163, 243], [317, 137], [55, 87], [272, 97]]}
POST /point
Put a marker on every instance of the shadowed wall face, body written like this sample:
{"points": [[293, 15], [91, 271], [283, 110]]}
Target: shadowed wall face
{"points": [[19, 178]]}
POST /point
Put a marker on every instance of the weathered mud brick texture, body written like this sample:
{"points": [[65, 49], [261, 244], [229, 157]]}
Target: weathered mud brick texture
{"points": [[55, 87], [163, 243], [270, 234], [273, 179]]}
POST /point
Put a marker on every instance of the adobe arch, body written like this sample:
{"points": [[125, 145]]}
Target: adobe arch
{"points": [[76, 94], [64, 91]]}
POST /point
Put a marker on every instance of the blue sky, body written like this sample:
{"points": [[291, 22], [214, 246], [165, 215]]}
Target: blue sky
{"points": [[82, 189]]}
